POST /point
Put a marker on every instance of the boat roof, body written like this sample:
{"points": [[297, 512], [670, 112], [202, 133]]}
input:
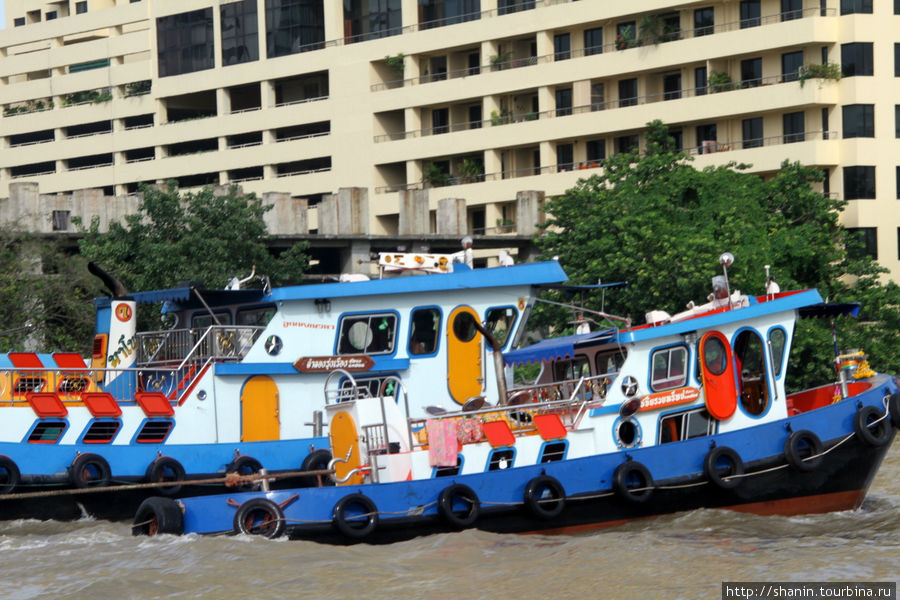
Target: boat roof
{"points": [[557, 348]]}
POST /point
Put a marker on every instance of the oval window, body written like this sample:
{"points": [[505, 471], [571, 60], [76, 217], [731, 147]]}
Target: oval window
{"points": [[714, 357], [464, 327]]}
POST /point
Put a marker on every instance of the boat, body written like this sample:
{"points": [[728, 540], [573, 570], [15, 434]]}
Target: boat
{"points": [[229, 381], [682, 412]]}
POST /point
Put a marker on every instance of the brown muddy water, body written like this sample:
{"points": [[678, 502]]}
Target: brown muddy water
{"points": [[686, 555]]}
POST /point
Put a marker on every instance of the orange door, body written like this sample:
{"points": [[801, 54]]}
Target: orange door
{"points": [[259, 410], [465, 370], [345, 446], [717, 368]]}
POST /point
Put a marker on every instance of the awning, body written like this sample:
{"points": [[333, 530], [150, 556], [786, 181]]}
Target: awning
{"points": [[826, 310], [555, 348]]}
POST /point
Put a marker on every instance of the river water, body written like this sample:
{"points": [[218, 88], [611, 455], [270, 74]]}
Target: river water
{"points": [[686, 555]]}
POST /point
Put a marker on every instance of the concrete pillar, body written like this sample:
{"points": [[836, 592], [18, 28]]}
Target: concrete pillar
{"points": [[528, 212], [345, 213], [414, 214], [409, 14], [451, 217], [23, 200], [357, 257], [287, 216], [333, 15]]}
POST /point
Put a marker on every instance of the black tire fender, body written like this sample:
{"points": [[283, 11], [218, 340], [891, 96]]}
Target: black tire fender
{"points": [[89, 470], [157, 516], [894, 409], [449, 497], [167, 470], [10, 476], [632, 482], [876, 436], [317, 460], [359, 523], [714, 472], [259, 516], [545, 497], [244, 465], [794, 450]]}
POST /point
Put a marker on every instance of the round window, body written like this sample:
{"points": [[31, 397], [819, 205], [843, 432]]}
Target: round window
{"points": [[627, 433], [714, 356], [464, 327]]}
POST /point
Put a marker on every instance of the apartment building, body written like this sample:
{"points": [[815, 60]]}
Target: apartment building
{"points": [[428, 108]]}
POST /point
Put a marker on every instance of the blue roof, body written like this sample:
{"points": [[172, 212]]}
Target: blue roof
{"points": [[556, 348]]}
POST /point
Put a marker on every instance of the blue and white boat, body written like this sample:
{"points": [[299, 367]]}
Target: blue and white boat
{"points": [[684, 411], [231, 383]]}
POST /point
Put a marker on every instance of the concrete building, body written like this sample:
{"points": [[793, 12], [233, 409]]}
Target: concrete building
{"points": [[441, 113]]}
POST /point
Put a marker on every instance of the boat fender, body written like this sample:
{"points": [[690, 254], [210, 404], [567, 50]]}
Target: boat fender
{"points": [[454, 495], [89, 470], [158, 515], [632, 482], [721, 462], [243, 465], [875, 435], [9, 475], [355, 516], [803, 450], [545, 497], [259, 516], [317, 460], [166, 469], [894, 409]]}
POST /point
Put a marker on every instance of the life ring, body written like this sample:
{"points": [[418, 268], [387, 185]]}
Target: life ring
{"points": [[244, 465], [167, 470], [89, 470], [355, 516], [158, 515], [717, 473], [9, 475], [317, 460], [633, 482], [453, 494], [872, 436], [803, 450], [259, 516], [545, 497], [894, 409]]}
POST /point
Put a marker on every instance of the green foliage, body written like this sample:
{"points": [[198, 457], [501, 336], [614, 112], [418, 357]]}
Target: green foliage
{"points": [[720, 82], [196, 236], [434, 176], [660, 224], [828, 70], [396, 64]]}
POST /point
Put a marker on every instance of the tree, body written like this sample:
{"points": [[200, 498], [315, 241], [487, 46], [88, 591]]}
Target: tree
{"points": [[197, 236], [660, 224]]}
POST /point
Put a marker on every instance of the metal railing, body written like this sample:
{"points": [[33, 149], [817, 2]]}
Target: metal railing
{"points": [[179, 346]]}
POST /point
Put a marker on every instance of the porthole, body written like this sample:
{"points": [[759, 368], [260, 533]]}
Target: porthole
{"points": [[627, 432], [464, 327]]}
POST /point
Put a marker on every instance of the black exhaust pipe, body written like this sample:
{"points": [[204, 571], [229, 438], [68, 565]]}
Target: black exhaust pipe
{"points": [[116, 288]]}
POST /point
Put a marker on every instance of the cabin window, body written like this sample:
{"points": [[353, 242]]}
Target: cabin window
{"points": [[204, 319], [258, 317], [714, 356], [501, 459], [610, 362], [750, 359], [375, 386], [668, 368], [73, 384], [686, 425], [449, 471], [101, 432], [154, 431], [29, 384], [47, 432], [575, 368], [367, 334], [423, 333], [464, 326], [627, 432], [777, 343], [553, 451], [500, 322]]}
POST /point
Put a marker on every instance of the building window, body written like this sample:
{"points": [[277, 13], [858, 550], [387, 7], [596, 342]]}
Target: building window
{"points": [[371, 19], [563, 102], [564, 157], [898, 183], [751, 72], [593, 41], [700, 81], [753, 132], [706, 138], [859, 183], [505, 7], [862, 241], [627, 143], [185, 42], [750, 13], [598, 95], [672, 86], [81, 7], [896, 60], [437, 13], [794, 127], [859, 120], [791, 9], [897, 120], [240, 37], [856, 59], [897, 7], [596, 151], [790, 65], [60, 220], [19, 22], [440, 121], [704, 20], [628, 92], [294, 26], [850, 7], [562, 46], [50, 15]]}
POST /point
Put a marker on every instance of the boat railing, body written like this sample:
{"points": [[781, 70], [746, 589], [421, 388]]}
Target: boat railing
{"points": [[178, 347], [340, 386]]}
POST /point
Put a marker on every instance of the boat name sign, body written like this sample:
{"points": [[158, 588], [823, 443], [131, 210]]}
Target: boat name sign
{"points": [[319, 364], [668, 398]]}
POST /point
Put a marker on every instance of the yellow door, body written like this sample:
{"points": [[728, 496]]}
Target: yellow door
{"points": [[345, 446], [465, 372], [259, 410]]}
